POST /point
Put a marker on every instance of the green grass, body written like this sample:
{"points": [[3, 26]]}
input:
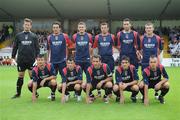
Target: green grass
{"points": [[44, 109]]}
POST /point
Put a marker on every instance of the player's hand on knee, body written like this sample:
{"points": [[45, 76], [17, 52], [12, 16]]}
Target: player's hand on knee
{"points": [[157, 86], [99, 85], [42, 83], [68, 84], [123, 86]]}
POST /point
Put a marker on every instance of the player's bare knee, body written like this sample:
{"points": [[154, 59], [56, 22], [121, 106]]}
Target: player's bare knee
{"points": [[30, 83], [121, 87], [115, 88], [109, 85], [166, 85], [59, 86], [83, 85], [135, 88], [77, 87], [141, 85], [53, 82]]}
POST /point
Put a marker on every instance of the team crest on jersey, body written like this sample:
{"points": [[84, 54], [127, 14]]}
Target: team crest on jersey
{"points": [[72, 74], [26, 37], [98, 72], [56, 37], [82, 37], [43, 73], [126, 73], [127, 36], [104, 38], [155, 73]]}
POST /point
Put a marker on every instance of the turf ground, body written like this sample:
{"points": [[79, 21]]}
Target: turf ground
{"points": [[44, 109]]}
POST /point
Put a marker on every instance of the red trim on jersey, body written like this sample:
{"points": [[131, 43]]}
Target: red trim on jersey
{"points": [[90, 38], [104, 68], [65, 71], [118, 38], [95, 45], [147, 71], [74, 37]]}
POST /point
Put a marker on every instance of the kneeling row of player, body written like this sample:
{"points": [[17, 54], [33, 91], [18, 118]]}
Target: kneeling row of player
{"points": [[98, 77]]}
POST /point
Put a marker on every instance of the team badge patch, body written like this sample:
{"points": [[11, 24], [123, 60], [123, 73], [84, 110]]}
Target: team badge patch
{"points": [[126, 72], [127, 36], [26, 37], [149, 40], [104, 38], [56, 37], [82, 37], [98, 72], [72, 74]]}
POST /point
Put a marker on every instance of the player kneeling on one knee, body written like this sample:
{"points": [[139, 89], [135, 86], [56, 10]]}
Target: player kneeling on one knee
{"points": [[126, 80], [98, 76], [43, 75], [152, 79], [71, 80]]}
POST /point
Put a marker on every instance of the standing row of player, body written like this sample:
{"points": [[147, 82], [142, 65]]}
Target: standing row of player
{"points": [[128, 44]]}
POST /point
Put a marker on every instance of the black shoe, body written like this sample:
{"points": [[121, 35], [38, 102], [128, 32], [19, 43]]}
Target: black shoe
{"points": [[99, 93], [142, 99], [156, 95], [92, 97], [106, 99], [75, 95], [161, 99], [134, 100], [53, 97], [37, 95], [117, 99], [15, 96]]}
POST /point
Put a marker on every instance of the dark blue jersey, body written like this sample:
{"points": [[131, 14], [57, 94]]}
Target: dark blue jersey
{"points": [[154, 76], [57, 47], [129, 42], [150, 46], [83, 43], [38, 75], [71, 75], [104, 44], [126, 76], [96, 75]]}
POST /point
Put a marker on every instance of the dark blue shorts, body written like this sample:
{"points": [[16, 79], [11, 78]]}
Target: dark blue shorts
{"points": [[109, 60], [59, 67], [84, 65]]}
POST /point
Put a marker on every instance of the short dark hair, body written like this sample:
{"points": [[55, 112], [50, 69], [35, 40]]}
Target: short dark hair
{"points": [[125, 58], [149, 24], [57, 23], [70, 59], [153, 56], [82, 23], [126, 19], [40, 56], [28, 20], [96, 56], [104, 23]]}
